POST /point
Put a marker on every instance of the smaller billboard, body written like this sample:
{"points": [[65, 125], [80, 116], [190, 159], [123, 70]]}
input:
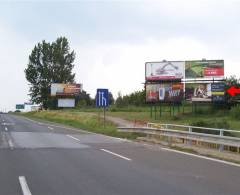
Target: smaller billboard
{"points": [[204, 69], [61, 89], [198, 92], [66, 103], [218, 92], [164, 70], [166, 92]]}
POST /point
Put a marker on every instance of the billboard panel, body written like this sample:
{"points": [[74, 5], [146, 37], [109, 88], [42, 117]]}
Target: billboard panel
{"points": [[166, 92], [60, 89], [218, 92], [66, 103], [20, 106], [198, 92], [205, 68], [164, 70]]}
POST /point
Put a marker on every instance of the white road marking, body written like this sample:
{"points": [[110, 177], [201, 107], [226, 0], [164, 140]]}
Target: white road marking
{"points": [[24, 186], [50, 128], [10, 143], [6, 129], [40, 123], [203, 157], [73, 137], [118, 155]]}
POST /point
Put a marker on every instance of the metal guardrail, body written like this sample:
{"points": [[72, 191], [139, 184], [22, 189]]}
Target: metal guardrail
{"points": [[190, 128], [165, 130]]}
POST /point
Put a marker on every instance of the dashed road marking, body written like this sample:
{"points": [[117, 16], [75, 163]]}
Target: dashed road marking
{"points": [[115, 154], [6, 129], [73, 137], [24, 185]]}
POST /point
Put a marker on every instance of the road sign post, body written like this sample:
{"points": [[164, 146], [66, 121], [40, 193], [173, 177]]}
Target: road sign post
{"points": [[102, 101]]}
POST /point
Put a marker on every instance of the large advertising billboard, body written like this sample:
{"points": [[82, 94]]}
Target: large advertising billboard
{"points": [[166, 92], [204, 69], [164, 70], [60, 89], [198, 92]]}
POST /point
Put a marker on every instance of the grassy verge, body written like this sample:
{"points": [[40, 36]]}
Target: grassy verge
{"points": [[81, 120]]}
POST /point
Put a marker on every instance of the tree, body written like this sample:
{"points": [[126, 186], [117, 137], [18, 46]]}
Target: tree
{"points": [[49, 63]]}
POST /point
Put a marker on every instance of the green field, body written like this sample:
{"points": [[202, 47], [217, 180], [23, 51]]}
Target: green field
{"points": [[82, 120]]}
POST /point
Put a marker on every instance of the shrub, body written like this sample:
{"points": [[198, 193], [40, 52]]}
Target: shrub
{"points": [[235, 112]]}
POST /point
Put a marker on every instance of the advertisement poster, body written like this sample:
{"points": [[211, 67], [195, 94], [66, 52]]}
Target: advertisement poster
{"points": [[164, 70], [59, 89], [218, 92], [66, 103], [198, 92], [167, 92], [204, 69]]}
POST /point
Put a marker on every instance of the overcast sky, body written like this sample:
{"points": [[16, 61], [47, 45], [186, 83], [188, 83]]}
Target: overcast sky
{"points": [[113, 39]]}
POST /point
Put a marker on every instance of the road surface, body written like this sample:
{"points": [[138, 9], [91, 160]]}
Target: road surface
{"points": [[41, 158]]}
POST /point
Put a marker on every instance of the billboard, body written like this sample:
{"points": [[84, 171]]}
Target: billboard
{"points": [[60, 89], [218, 92], [20, 106], [198, 92], [164, 70], [204, 69], [66, 103], [166, 92]]}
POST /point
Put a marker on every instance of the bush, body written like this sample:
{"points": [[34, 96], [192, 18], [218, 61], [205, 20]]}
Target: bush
{"points": [[223, 124], [235, 112]]}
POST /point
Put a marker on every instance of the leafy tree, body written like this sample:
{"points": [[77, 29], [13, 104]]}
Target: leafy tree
{"points": [[49, 63], [84, 99]]}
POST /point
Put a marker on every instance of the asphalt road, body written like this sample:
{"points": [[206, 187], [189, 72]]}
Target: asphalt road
{"points": [[46, 159]]}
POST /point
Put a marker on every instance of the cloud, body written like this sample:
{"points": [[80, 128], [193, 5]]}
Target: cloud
{"points": [[14, 55]]}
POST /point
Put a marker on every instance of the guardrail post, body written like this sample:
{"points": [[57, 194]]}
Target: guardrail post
{"points": [[190, 130], [221, 147], [166, 126]]}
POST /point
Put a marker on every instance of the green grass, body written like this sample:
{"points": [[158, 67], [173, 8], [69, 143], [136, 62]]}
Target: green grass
{"points": [[80, 120]]}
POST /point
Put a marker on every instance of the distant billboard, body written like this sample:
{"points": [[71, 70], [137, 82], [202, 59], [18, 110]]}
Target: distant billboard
{"points": [[20, 106], [60, 89], [166, 92], [198, 92], [66, 103], [218, 92], [204, 69], [164, 70]]}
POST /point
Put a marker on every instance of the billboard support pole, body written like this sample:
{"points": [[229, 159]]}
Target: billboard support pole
{"points": [[104, 116], [155, 112], [151, 111]]}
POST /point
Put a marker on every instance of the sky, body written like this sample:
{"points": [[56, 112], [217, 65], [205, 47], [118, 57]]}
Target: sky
{"points": [[114, 39]]}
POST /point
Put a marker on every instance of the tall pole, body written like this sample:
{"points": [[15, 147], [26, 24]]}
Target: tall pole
{"points": [[104, 116]]}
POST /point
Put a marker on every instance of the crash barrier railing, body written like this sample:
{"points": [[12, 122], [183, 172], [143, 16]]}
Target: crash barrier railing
{"points": [[187, 133]]}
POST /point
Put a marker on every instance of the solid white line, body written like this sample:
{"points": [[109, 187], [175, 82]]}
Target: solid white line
{"points": [[50, 128], [24, 185], [202, 157], [118, 155], [73, 137], [6, 129]]}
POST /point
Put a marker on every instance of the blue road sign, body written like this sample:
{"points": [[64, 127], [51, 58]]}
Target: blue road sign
{"points": [[102, 98]]}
